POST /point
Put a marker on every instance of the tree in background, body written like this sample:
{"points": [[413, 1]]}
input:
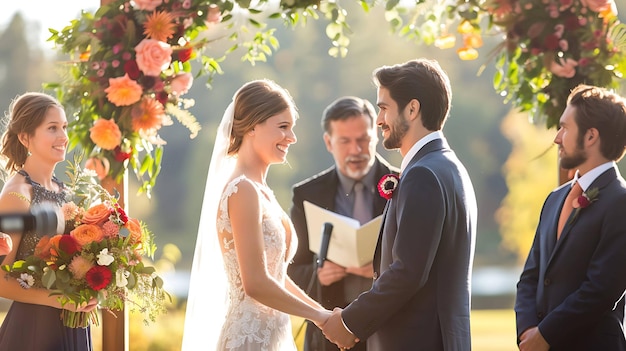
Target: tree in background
{"points": [[21, 63], [530, 173]]}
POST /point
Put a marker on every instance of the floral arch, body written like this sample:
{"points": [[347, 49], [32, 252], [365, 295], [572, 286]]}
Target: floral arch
{"points": [[131, 61]]}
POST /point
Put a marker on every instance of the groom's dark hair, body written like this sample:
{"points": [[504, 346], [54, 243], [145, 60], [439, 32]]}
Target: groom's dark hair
{"points": [[423, 80], [605, 111]]}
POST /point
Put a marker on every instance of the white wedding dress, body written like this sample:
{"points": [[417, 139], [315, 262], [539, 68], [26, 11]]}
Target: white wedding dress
{"points": [[250, 325]]}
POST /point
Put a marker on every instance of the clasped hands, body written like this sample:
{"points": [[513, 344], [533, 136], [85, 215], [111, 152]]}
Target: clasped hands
{"points": [[335, 331]]}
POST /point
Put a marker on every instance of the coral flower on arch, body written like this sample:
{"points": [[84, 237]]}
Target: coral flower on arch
{"points": [[147, 115], [123, 91], [105, 134], [159, 26]]}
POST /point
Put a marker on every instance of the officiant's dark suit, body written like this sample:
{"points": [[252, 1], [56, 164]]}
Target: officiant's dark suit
{"points": [[420, 299], [570, 295], [350, 135]]}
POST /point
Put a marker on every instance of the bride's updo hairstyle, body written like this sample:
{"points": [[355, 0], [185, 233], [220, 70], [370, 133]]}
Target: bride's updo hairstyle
{"points": [[26, 113], [255, 102]]}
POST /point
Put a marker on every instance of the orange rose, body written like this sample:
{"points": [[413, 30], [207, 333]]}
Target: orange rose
{"points": [[42, 249], [87, 233], [134, 227], [47, 247], [97, 214], [106, 134]]}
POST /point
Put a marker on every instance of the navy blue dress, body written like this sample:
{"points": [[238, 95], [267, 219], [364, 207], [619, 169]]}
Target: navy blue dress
{"points": [[37, 327]]}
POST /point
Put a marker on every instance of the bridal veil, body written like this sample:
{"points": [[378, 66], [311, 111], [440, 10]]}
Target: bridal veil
{"points": [[207, 299]]}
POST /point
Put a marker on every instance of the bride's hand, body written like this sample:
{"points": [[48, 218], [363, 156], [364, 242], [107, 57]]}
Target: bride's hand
{"points": [[322, 318]]}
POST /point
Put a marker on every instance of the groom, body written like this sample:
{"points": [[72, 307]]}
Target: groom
{"points": [[420, 298], [570, 295]]}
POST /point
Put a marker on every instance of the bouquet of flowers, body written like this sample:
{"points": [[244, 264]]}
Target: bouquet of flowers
{"points": [[99, 256]]}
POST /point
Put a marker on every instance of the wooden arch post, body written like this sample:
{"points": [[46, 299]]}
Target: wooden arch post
{"points": [[115, 326], [115, 323]]}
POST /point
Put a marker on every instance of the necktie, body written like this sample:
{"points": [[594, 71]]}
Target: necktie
{"points": [[574, 193], [361, 210]]}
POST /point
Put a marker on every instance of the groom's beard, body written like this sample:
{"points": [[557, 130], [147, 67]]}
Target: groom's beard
{"points": [[577, 158], [397, 131]]}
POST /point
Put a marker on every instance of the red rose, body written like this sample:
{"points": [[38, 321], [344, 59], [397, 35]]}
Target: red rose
{"points": [[184, 55], [121, 213], [131, 68], [68, 244], [98, 277], [121, 156], [583, 201]]}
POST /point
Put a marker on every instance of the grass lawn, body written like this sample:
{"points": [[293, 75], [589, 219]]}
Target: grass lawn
{"points": [[492, 330]]}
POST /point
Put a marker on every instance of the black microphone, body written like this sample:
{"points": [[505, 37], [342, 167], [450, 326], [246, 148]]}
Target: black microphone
{"points": [[327, 230], [44, 219]]}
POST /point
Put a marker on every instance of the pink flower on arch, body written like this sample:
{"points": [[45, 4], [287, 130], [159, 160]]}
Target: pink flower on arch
{"points": [[565, 68], [153, 56]]}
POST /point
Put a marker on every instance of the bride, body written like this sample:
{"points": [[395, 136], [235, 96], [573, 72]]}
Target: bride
{"points": [[241, 299]]}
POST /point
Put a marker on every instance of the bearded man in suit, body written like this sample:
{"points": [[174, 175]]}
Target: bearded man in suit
{"points": [[570, 295], [420, 299], [350, 136]]}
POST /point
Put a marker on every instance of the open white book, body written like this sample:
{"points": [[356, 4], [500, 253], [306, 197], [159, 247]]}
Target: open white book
{"points": [[351, 244]]}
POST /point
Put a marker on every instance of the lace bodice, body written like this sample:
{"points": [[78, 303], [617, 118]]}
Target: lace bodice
{"points": [[249, 324], [39, 195]]}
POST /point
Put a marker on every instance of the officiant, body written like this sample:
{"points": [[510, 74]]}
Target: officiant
{"points": [[349, 188]]}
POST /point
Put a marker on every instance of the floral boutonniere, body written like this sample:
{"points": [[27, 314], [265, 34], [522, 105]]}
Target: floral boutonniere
{"points": [[584, 201], [387, 184]]}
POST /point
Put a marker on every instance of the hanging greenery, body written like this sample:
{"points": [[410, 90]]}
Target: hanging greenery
{"points": [[130, 62]]}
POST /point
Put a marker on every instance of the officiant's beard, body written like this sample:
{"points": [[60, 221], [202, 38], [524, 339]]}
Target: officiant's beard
{"points": [[397, 130]]}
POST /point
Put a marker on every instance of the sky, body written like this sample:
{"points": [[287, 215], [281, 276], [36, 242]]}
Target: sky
{"points": [[49, 13]]}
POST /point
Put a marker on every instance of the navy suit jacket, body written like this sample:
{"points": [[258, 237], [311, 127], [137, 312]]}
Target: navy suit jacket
{"points": [[573, 288], [420, 299]]}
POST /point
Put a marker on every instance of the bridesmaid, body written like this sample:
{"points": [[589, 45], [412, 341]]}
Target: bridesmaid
{"points": [[33, 144]]}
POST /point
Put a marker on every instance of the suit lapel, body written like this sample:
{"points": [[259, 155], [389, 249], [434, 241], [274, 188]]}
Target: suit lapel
{"points": [[601, 182]]}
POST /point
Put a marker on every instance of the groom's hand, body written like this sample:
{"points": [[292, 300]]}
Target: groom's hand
{"points": [[532, 340], [336, 332]]}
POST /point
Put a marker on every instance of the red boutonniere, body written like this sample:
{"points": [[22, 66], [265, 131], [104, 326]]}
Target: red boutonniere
{"points": [[584, 201], [387, 184]]}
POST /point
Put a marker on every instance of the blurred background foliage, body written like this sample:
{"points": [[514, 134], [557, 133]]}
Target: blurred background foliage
{"points": [[512, 162]]}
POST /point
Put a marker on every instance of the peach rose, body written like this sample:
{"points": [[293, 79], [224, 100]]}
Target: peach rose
{"points": [[215, 15], [87, 233], [106, 134], [153, 56], [97, 214], [134, 227], [601, 6], [565, 68], [182, 83], [6, 244], [147, 5], [99, 165]]}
